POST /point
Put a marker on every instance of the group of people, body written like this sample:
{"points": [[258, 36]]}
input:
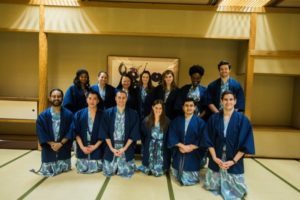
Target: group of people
{"points": [[177, 127]]}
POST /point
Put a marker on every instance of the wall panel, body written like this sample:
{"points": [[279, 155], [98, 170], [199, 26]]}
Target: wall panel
{"points": [[126, 21]]}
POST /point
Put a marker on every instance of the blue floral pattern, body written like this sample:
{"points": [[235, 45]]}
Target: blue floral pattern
{"points": [[59, 166], [155, 154], [119, 165], [224, 87], [230, 186], [86, 165], [186, 177]]}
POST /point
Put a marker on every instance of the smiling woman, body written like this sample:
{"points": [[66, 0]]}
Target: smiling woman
{"points": [[117, 65]]}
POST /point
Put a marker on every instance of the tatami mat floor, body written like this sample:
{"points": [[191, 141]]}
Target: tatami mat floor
{"points": [[266, 179]]}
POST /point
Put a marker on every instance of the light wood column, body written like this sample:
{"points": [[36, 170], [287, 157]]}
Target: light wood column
{"points": [[43, 51], [250, 66], [43, 61]]}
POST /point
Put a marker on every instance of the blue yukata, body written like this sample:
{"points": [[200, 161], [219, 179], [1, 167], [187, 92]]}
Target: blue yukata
{"points": [[169, 99], [217, 87], [119, 128], [74, 99], [145, 99], [156, 155], [198, 94], [186, 166], [51, 126], [107, 96], [227, 138], [89, 132]]}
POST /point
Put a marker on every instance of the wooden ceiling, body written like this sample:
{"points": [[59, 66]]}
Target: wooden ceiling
{"points": [[250, 3], [219, 5], [214, 5]]}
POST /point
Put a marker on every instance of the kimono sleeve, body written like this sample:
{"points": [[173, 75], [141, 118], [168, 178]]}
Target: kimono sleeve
{"points": [[209, 134], [68, 99], [75, 127], [104, 127], [41, 130], [201, 132], [240, 104], [173, 137], [209, 92], [143, 130], [68, 120], [135, 127], [246, 139]]}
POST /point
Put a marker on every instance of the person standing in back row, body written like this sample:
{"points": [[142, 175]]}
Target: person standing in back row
{"points": [[225, 82], [106, 91], [75, 98], [167, 91], [194, 90]]}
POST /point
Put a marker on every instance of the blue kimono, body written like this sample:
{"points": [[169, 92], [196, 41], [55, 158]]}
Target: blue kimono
{"points": [[188, 162], [239, 138], [148, 141], [170, 102], [74, 99], [80, 128], [131, 131], [184, 93], [145, 100], [227, 138], [214, 92], [45, 133], [109, 100]]}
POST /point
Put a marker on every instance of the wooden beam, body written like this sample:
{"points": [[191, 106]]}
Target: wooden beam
{"points": [[21, 121], [275, 54], [145, 5], [43, 61], [250, 66], [43, 51]]}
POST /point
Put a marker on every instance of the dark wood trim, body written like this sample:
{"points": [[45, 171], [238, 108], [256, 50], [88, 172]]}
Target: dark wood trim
{"points": [[275, 54], [19, 99]]}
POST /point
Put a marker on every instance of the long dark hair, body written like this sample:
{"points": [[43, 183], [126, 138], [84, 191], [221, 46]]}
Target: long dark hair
{"points": [[173, 84], [77, 81], [163, 120], [149, 85], [131, 88]]}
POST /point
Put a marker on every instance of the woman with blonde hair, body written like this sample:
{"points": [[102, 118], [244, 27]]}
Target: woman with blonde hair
{"points": [[167, 91]]}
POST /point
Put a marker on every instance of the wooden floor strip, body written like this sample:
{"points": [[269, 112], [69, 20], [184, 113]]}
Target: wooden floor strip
{"points": [[277, 175], [16, 158], [170, 188], [101, 192], [32, 188]]}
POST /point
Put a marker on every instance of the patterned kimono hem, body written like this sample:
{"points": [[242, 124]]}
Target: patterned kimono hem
{"points": [[86, 166], [230, 186], [146, 170], [119, 166], [54, 168], [187, 178]]}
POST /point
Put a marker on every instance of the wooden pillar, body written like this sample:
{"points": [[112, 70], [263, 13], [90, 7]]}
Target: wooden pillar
{"points": [[43, 51], [250, 66]]}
